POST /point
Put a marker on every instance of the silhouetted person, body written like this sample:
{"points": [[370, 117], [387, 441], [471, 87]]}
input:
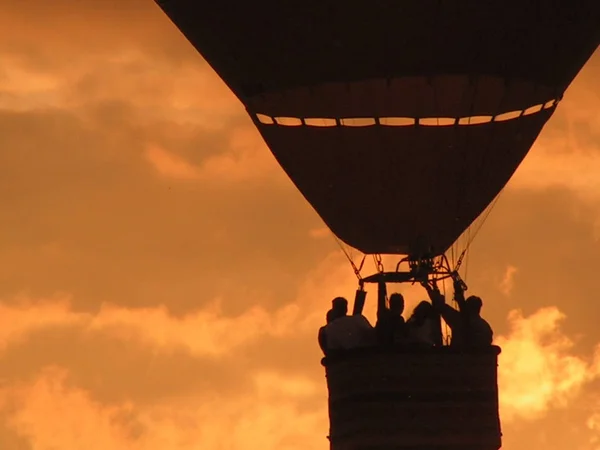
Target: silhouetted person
{"points": [[339, 306], [323, 331], [477, 331], [469, 329], [390, 326], [345, 332], [420, 325]]}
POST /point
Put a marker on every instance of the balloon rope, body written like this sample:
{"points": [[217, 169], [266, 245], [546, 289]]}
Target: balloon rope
{"points": [[349, 258], [485, 217]]}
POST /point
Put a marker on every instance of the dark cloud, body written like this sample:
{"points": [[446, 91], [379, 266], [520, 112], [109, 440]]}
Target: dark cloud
{"points": [[46, 36], [123, 234]]}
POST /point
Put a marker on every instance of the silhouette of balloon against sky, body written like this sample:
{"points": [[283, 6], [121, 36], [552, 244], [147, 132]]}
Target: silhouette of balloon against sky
{"points": [[381, 108]]}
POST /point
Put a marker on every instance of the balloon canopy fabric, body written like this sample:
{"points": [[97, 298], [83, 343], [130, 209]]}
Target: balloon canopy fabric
{"points": [[398, 120]]}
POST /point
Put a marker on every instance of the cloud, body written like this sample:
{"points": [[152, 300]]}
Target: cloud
{"points": [[203, 332], [208, 330], [319, 233], [593, 424], [147, 355], [538, 373], [567, 152], [87, 188], [577, 171], [507, 283], [249, 159], [537, 370], [66, 409], [52, 413], [27, 316], [169, 165]]}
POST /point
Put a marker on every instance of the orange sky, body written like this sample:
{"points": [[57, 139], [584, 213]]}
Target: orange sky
{"points": [[161, 281]]}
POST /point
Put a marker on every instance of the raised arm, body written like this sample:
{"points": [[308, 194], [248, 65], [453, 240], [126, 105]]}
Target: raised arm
{"points": [[381, 295], [439, 305], [437, 298], [459, 293]]}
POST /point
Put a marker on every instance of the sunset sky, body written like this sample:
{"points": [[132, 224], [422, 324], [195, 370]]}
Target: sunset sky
{"points": [[162, 281]]}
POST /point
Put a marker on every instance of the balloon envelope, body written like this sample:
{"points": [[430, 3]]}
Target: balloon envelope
{"points": [[399, 121]]}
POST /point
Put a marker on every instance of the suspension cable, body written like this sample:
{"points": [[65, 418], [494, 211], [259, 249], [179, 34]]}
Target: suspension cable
{"points": [[356, 269], [472, 235], [378, 263]]}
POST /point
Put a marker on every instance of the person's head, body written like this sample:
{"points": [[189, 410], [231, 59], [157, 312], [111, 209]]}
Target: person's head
{"points": [[397, 303], [422, 311], [340, 306], [330, 316], [474, 304]]}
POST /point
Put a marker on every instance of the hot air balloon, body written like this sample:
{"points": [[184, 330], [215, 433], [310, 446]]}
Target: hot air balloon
{"points": [[399, 122]]}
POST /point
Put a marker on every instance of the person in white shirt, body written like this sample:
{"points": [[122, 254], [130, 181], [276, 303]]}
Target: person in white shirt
{"points": [[346, 332], [323, 331]]}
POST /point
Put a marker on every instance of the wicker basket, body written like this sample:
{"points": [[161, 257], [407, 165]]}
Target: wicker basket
{"points": [[383, 399]]}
